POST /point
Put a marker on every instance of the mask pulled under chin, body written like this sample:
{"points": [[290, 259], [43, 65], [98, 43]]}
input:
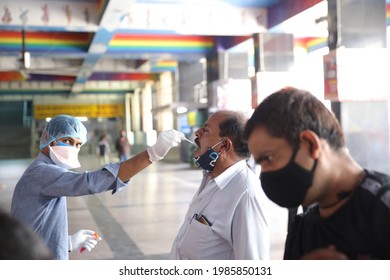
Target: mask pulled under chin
{"points": [[207, 160], [65, 156]]}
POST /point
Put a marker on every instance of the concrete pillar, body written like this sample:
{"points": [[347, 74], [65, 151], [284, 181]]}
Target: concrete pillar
{"points": [[352, 82], [135, 111], [213, 75], [127, 112], [273, 52], [357, 23], [147, 116]]}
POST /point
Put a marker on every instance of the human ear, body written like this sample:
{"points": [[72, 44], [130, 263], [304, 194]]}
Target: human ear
{"points": [[312, 141], [227, 145]]}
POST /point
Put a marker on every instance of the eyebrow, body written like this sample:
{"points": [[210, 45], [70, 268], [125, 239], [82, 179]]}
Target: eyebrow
{"points": [[72, 140], [206, 125], [261, 157]]}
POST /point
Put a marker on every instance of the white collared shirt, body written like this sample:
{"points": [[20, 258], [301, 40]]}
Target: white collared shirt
{"points": [[237, 209]]}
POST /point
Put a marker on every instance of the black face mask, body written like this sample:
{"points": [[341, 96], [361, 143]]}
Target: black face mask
{"points": [[208, 159], [288, 186]]}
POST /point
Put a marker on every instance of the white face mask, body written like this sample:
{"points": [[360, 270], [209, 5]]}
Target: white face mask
{"points": [[65, 156]]}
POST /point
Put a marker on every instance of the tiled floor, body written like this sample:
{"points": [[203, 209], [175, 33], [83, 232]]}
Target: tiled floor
{"points": [[141, 221]]}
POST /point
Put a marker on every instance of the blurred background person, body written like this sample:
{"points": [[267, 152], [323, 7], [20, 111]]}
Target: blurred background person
{"points": [[103, 150], [123, 146]]}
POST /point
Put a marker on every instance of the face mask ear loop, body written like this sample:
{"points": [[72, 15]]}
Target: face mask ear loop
{"points": [[293, 156], [295, 152], [218, 143]]}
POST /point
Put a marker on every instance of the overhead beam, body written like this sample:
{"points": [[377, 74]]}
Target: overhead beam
{"points": [[287, 9]]}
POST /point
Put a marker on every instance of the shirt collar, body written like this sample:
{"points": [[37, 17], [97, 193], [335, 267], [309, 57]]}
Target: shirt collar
{"points": [[44, 157], [224, 178]]}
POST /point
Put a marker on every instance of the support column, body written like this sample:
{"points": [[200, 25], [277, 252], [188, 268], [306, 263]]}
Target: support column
{"points": [[127, 112], [226, 70], [147, 116], [135, 111], [357, 24], [355, 81], [273, 57], [212, 74]]}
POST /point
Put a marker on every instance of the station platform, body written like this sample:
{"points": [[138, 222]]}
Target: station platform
{"points": [[141, 221]]}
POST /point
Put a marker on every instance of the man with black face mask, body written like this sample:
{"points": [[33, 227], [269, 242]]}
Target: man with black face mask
{"points": [[227, 218], [304, 161]]}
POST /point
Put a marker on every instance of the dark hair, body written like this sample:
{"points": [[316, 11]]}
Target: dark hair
{"points": [[289, 111], [20, 242], [233, 128]]}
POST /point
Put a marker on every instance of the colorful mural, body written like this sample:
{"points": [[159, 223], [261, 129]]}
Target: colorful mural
{"points": [[163, 66], [311, 43], [122, 76], [160, 44], [44, 41]]}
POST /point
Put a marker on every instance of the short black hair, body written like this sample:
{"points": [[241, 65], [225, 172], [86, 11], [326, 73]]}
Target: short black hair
{"points": [[233, 128], [20, 242], [289, 111]]}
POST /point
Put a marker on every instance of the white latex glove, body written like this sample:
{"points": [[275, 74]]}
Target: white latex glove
{"points": [[84, 238], [165, 141]]}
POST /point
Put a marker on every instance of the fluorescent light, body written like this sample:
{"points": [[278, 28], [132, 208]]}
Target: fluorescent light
{"points": [[27, 60], [82, 119], [181, 110]]}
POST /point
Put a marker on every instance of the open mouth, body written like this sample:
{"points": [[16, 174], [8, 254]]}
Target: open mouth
{"points": [[197, 142]]}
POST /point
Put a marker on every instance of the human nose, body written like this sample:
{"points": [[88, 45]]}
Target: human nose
{"points": [[198, 133]]}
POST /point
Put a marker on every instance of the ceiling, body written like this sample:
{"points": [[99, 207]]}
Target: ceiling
{"points": [[111, 46]]}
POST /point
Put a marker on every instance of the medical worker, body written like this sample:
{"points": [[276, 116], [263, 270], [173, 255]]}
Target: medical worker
{"points": [[39, 199]]}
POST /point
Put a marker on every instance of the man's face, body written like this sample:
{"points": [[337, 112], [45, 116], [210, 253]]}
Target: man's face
{"points": [[273, 154], [208, 135], [270, 152], [75, 142]]}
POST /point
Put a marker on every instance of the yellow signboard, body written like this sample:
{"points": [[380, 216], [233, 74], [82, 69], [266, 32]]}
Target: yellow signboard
{"points": [[43, 111]]}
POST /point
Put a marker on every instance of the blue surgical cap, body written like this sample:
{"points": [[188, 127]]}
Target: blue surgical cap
{"points": [[63, 126]]}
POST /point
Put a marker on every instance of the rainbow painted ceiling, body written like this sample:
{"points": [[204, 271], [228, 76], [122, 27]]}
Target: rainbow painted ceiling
{"points": [[69, 43]]}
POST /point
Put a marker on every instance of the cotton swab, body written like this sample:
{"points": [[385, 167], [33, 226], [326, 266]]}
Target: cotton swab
{"points": [[189, 141]]}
